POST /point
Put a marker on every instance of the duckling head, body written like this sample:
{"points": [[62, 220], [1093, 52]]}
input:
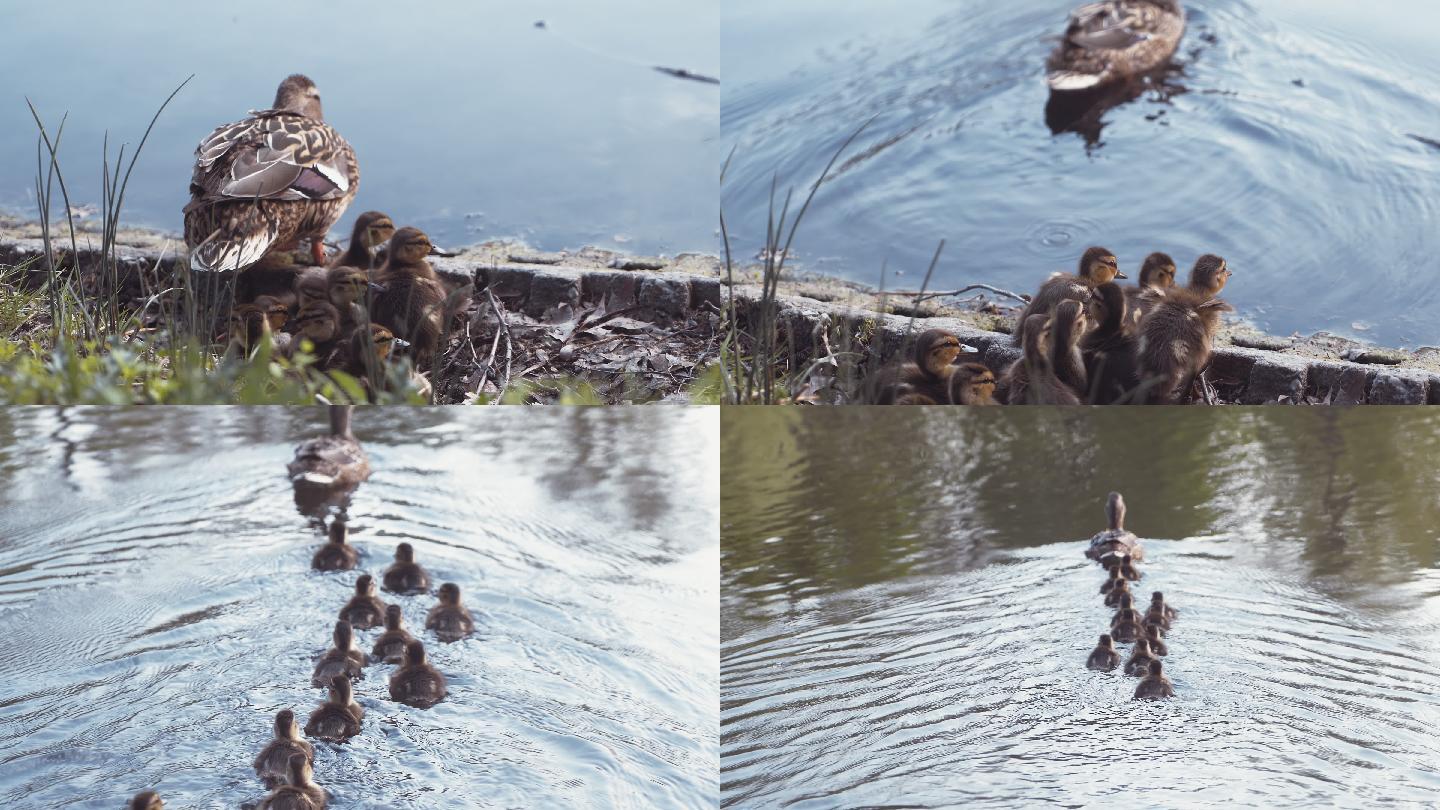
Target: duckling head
{"points": [[393, 619], [410, 246], [1142, 647], [319, 321], [312, 284], [1107, 306], [414, 653], [1126, 602], [972, 384], [344, 635], [347, 285], [935, 350], [1069, 323], [1157, 599], [341, 691], [405, 553], [1100, 265], [1157, 271], [372, 229], [1156, 668], [365, 585], [381, 339], [285, 726], [298, 94], [1106, 643], [273, 310], [1209, 274], [299, 773], [1122, 585], [449, 594], [147, 800], [1037, 337], [1152, 633], [338, 531]]}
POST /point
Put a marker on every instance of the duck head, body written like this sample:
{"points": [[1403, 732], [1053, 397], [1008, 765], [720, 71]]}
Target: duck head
{"points": [[344, 635], [318, 321], [1069, 323], [365, 585], [1115, 514], [298, 94], [338, 531], [450, 594], [273, 310], [285, 726], [147, 800], [393, 619], [414, 653], [1106, 309], [1209, 274], [1156, 668], [405, 553], [1100, 265], [1106, 643], [299, 772], [935, 350], [1142, 648], [312, 284], [372, 229], [410, 246], [1157, 272], [341, 692], [347, 285], [382, 340], [972, 384]]}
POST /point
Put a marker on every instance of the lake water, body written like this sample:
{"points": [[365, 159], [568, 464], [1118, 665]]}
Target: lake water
{"points": [[468, 120], [1282, 144], [155, 586], [906, 611]]}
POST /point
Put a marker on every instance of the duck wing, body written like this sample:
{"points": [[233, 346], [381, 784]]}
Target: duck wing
{"points": [[274, 155]]}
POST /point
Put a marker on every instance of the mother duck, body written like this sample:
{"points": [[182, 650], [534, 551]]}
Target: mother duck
{"points": [[1114, 41], [268, 181]]}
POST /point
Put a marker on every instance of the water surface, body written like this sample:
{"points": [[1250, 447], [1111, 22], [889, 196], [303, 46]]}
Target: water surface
{"points": [[155, 585], [906, 610]]}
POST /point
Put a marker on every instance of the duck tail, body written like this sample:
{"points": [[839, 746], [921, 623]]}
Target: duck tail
{"points": [[1069, 81]]}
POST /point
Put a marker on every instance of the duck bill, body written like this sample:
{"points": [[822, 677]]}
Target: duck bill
{"points": [[966, 348], [400, 343], [376, 288], [1119, 274]]}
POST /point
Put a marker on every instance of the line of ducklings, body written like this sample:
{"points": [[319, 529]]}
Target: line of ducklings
{"points": [[1085, 339], [1118, 550]]}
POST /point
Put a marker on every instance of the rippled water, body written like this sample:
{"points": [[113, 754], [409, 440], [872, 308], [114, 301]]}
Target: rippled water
{"points": [[1282, 142], [156, 592], [906, 613], [468, 120]]}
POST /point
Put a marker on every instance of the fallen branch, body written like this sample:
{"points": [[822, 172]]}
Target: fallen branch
{"points": [[922, 295]]}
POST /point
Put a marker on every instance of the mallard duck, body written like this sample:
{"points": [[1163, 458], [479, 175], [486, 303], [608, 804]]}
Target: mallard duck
{"points": [[925, 377], [1176, 335], [1104, 657], [1031, 379], [1114, 41], [1068, 325], [1157, 273], [450, 619], [416, 683], [147, 800], [972, 384], [405, 575], [413, 301], [336, 554], [1119, 587], [330, 463], [319, 323], [1126, 612], [1140, 658], [272, 764], [365, 354], [339, 717], [1115, 539], [372, 229], [364, 610], [1121, 565], [1157, 643], [1111, 582], [1109, 349], [342, 659], [1127, 631], [1156, 685], [390, 646], [1159, 614], [1097, 266], [299, 792], [268, 181]]}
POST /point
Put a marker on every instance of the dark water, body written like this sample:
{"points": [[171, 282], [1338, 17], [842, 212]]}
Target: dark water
{"points": [[155, 591], [906, 612], [1315, 192], [467, 120]]}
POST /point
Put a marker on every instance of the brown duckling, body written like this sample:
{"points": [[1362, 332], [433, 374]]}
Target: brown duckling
{"points": [[1126, 612], [343, 659], [1140, 658], [1157, 273], [390, 646], [971, 384], [365, 354], [318, 322], [1159, 614], [1112, 42], [272, 764], [1068, 326], [299, 791], [1112, 579], [1175, 337], [412, 301], [348, 289], [147, 800], [450, 619], [1097, 266], [1104, 657], [1156, 685], [1029, 380], [372, 229], [405, 575], [1122, 566], [364, 610], [1127, 631], [336, 554], [1120, 587], [927, 374], [311, 285], [338, 718], [1109, 349], [330, 463], [416, 683], [1115, 539], [1157, 644]]}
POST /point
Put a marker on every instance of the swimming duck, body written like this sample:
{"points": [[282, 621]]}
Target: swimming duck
{"points": [[333, 462], [1157, 644], [1126, 612], [1115, 539], [272, 764], [372, 229], [1159, 613], [1140, 658], [390, 646], [1175, 337], [1097, 266], [1121, 565], [299, 792], [926, 375], [336, 554], [338, 718], [1104, 657], [364, 610], [416, 683], [972, 384], [1109, 349], [342, 659], [268, 181], [147, 800], [412, 303], [405, 575], [450, 620], [1155, 685], [1119, 587], [1114, 41]]}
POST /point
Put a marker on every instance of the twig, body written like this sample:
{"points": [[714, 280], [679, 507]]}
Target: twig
{"points": [[509, 344], [922, 295]]}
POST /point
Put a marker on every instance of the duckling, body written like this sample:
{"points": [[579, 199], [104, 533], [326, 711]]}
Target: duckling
{"points": [[272, 764], [1115, 539], [416, 683], [348, 289], [926, 375], [330, 463], [1157, 644], [335, 555], [372, 229], [364, 610], [450, 619], [311, 285], [390, 646], [1113, 578], [266, 182], [1121, 565], [1121, 587], [147, 800], [971, 384], [1104, 657], [1113, 42], [1097, 266], [1157, 273], [365, 354], [1109, 349], [338, 718], [1159, 613], [298, 792], [1175, 337], [342, 659], [1015, 383], [1067, 328], [405, 575], [1140, 658], [1126, 612], [1155, 685], [412, 304]]}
